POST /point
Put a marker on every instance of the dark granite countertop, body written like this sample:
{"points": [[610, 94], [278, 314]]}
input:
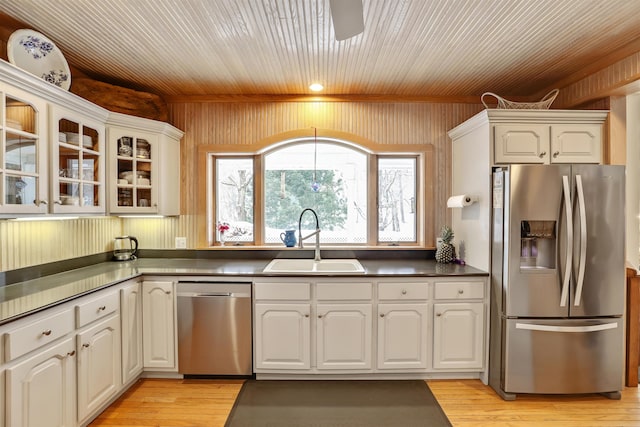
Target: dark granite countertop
{"points": [[22, 298]]}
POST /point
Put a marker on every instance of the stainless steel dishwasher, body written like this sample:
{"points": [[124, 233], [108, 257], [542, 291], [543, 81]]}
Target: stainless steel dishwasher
{"points": [[214, 328]]}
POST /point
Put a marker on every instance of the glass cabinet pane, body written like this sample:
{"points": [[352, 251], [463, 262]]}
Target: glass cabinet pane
{"points": [[90, 139], [20, 115], [21, 153], [20, 190]]}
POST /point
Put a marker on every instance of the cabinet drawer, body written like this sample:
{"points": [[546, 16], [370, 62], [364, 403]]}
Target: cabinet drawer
{"points": [[41, 332], [96, 308], [459, 290], [344, 291], [282, 291], [402, 291]]}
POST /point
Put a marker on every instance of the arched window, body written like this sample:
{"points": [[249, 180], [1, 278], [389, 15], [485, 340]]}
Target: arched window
{"points": [[362, 198]]}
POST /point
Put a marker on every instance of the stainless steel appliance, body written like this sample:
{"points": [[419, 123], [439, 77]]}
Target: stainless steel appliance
{"points": [[125, 248], [214, 328], [557, 280]]}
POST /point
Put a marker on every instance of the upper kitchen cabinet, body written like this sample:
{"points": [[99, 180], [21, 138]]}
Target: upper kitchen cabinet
{"points": [[77, 163], [23, 181], [538, 136], [144, 166], [51, 148]]}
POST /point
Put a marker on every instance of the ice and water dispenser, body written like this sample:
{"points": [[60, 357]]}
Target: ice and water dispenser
{"points": [[537, 244]]}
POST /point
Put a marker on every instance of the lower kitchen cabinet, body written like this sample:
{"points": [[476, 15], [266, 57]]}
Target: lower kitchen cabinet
{"points": [[99, 377], [343, 336], [402, 336], [282, 336], [131, 320], [159, 325], [41, 390], [458, 335]]}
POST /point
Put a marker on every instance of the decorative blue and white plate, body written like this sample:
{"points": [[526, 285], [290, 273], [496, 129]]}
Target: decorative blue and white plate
{"points": [[35, 53]]}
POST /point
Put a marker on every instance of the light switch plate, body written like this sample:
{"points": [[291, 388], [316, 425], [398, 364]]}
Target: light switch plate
{"points": [[181, 243]]}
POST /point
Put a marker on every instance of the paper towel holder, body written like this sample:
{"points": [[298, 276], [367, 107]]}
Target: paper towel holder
{"points": [[461, 201]]}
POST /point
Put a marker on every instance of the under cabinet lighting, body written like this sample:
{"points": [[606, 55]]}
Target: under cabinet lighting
{"points": [[140, 216], [316, 87], [44, 218]]}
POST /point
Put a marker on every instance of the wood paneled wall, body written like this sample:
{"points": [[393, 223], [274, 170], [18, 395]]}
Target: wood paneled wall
{"points": [[252, 123]]}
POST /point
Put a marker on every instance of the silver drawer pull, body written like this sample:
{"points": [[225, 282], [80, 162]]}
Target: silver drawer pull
{"points": [[47, 332], [102, 308], [85, 345], [71, 353], [544, 153]]}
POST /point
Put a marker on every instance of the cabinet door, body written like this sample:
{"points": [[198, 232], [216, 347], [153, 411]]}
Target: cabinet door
{"points": [[576, 143], [131, 317], [458, 335], [23, 152], [133, 171], [514, 143], [99, 375], [159, 325], [41, 390], [402, 336], [343, 336], [282, 336], [77, 163]]}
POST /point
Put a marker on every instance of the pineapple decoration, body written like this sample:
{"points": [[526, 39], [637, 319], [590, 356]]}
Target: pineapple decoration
{"points": [[446, 252]]}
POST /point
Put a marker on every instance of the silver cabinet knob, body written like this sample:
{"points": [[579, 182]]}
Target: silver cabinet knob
{"points": [[306, 315], [381, 314], [541, 155], [102, 308], [438, 314], [319, 316], [85, 345], [556, 154], [47, 332], [461, 291], [167, 292], [71, 353], [404, 292]]}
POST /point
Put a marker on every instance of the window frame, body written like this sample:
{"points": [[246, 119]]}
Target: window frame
{"points": [[424, 163]]}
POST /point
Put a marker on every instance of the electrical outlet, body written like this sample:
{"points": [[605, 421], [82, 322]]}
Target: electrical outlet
{"points": [[181, 243]]}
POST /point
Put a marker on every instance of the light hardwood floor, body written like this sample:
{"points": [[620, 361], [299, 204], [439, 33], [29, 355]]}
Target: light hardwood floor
{"points": [[206, 403]]}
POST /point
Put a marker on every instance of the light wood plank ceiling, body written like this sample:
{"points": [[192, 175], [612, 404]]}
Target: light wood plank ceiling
{"points": [[421, 48]]}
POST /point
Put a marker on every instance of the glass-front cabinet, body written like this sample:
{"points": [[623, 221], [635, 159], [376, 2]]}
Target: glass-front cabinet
{"points": [[23, 181], [144, 166], [135, 168], [77, 163]]}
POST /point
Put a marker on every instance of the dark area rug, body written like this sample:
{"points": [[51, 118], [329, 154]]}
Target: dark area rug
{"points": [[336, 404]]}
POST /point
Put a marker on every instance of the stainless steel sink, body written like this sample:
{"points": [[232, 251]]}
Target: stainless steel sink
{"points": [[309, 266]]}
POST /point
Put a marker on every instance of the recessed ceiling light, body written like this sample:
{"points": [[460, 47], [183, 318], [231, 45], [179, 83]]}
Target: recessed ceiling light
{"points": [[316, 87]]}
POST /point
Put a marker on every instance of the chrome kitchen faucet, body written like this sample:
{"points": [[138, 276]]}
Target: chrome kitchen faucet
{"points": [[315, 233]]}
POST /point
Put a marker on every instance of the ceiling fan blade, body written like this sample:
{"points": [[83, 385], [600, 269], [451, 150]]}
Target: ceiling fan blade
{"points": [[347, 17]]}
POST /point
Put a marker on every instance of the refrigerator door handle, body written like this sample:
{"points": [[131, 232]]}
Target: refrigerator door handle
{"points": [[564, 296], [583, 241], [553, 328]]}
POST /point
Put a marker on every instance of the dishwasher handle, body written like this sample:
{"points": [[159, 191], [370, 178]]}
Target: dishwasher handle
{"points": [[214, 294]]}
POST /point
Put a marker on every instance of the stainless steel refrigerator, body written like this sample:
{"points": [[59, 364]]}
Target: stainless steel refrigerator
{"points": [[557, 280]]}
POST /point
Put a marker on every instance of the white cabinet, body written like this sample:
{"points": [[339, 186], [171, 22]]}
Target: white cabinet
{"points": [[343, 336], [23, 152], [77, 162], [544, 143], [51, 148], [41, 389], [144, 166], [131, 320], [459, 340], [403, 325], [99, 377], [282, 336], [159, 325], [402, 336]]}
